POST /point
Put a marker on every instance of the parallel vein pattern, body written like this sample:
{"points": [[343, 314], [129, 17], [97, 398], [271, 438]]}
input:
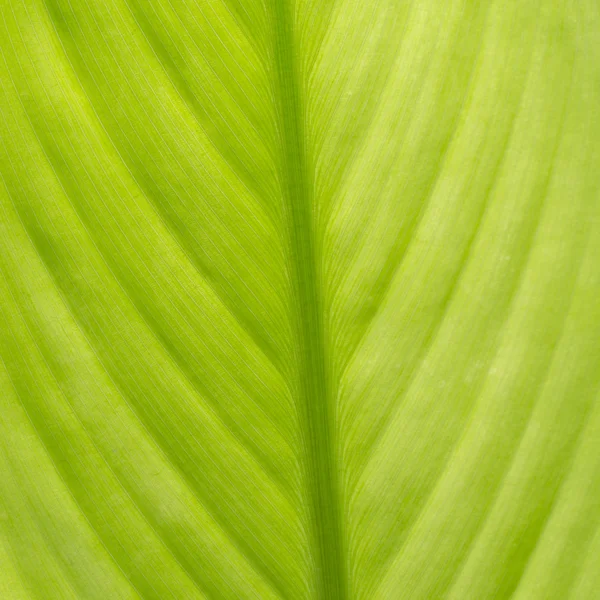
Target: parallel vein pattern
{"points": [[299, 299]]}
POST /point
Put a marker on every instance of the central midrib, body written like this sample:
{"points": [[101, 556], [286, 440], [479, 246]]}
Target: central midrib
{"points": [[316, 412]]}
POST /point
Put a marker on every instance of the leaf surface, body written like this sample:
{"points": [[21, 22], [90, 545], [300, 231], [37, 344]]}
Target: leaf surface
{"points": [[299, 299]]}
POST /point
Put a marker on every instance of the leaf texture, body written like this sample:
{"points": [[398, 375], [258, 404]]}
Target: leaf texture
{"points": [[299, 299]]}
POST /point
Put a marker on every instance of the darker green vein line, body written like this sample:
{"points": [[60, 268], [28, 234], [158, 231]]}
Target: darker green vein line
{"points": [[315, 401]]}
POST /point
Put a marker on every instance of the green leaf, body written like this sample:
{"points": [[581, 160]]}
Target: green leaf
{"points": [[299, 299]]}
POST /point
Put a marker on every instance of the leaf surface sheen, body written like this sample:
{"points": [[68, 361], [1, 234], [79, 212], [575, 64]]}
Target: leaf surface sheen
{"points": [[299, 299]]}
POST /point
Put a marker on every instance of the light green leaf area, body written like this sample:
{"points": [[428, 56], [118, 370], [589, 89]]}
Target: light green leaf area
{"points": [[299, 299]]}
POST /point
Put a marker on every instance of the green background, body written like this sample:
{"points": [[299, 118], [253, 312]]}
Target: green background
{"points": [[300, 299]]}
